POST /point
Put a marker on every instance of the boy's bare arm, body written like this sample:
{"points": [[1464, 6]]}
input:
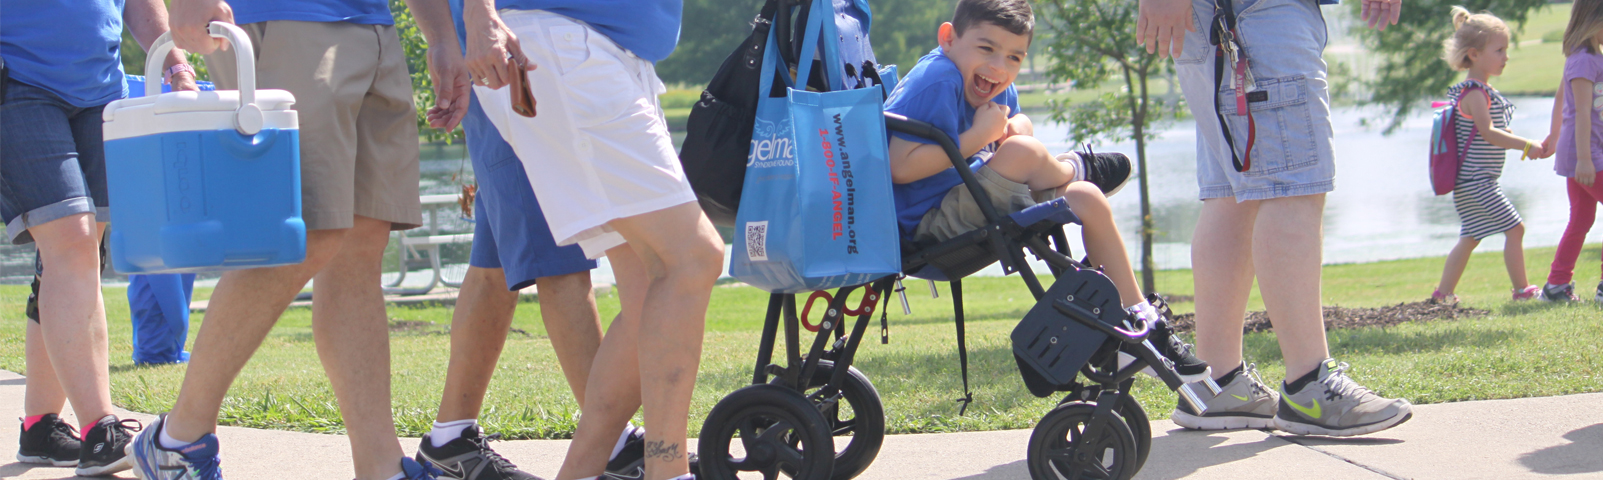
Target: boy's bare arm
{"points": [[913, 161]]}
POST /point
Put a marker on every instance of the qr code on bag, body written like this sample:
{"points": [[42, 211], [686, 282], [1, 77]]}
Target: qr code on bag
{"points": [[757, 241]]}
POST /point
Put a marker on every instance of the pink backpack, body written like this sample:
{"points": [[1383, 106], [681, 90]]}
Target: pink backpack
{"points": [[1446, 153]]}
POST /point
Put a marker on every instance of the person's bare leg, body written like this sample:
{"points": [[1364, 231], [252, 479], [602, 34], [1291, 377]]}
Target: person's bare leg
{"points": [[1514, 256], [353, 341], [1457, 261], [1102, 241], [43, 393], [612, 395], [568, 308], [479, 327], [1024, 159], [682, 255], [1222, 270], [243, 309], [1286, 244], [72, 315]]}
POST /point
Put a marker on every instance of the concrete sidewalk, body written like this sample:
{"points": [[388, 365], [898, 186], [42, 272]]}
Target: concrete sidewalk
{"points": [[1520, 438]]}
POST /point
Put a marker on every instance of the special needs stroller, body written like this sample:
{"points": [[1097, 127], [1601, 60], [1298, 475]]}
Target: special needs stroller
{"points": [[786, 420]]}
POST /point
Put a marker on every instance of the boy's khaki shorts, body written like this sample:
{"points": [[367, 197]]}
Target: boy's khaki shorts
{"points": [[958, 213], [359, 146]]}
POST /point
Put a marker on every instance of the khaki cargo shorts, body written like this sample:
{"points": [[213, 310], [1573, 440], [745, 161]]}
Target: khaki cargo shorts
{"points": [[958, 213], [358, 129]]}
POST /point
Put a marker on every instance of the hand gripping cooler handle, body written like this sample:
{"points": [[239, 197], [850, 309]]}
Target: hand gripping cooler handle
{"points": [[248, 117]]}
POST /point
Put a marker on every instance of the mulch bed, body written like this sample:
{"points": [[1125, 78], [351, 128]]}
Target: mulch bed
{"points": [[1343, 317]]}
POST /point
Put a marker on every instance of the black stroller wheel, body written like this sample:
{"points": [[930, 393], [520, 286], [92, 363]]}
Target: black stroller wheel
{"points": [[778, 430], [1135, 417], [1052, 453], [858, 415]]}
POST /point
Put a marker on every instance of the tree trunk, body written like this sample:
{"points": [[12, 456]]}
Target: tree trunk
{"points": [[1138, 123]]}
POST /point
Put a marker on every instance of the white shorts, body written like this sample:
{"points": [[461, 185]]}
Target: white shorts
{"points": [[599, 148]]}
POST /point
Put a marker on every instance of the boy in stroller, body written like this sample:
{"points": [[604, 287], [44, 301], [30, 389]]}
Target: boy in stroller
{"points": [[964, 88]]}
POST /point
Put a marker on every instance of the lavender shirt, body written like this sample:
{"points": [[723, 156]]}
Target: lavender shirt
{"points": [[1581, 64]]}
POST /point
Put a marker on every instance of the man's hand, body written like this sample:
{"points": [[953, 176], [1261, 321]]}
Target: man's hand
{"points": [[494, 54], [188, 22], [1161, 25], [449, 73], [1381, 13]]}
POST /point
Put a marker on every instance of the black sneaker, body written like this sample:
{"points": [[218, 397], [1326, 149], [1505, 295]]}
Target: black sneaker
{"points": [[630, 464], [1560, 293], [50, 442], [1109, 171], [1168, 345], [104, 446], [469, 458]]}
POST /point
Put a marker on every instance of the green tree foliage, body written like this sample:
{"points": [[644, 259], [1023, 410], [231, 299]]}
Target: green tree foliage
{"points": [[1411, 68], [903, 31], [417, 64], [1092, 42]]}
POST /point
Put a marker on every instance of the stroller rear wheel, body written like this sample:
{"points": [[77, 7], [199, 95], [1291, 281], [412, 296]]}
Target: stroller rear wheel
{"points": [[858, 415], [1054, 443], [778, 430], [1135, 417]]}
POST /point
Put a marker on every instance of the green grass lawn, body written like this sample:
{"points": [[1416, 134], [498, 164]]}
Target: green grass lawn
{"points": [[1519, 350], [1536, 69]]}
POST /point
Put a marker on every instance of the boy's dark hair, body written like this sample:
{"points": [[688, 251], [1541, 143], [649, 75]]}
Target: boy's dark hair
{"points": [[1012, 15]]}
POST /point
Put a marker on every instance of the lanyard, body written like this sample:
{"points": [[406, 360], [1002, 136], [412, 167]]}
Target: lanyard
{"points": [[1229, 55]]}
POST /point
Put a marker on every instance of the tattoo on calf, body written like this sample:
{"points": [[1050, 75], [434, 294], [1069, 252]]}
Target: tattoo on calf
{"points": [[663, 450]]}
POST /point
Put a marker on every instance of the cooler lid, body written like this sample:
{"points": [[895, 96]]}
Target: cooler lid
{"points": [[214, 101]]}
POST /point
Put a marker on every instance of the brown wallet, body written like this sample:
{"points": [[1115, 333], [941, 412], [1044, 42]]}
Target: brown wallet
{"points": [[522, 96]]}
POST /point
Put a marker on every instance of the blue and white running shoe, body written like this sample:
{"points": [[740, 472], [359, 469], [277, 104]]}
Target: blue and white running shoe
{"points": [[411, 470], [196, 461]]}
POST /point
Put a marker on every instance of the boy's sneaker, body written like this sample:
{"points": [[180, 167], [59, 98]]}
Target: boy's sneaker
{"points": [[1109, 171], [414, 470], [151, 461], [1560, 293], [104, 446], [50, 442], [1243, 402], [1335, 405], [469, 457], [1163, 340]]}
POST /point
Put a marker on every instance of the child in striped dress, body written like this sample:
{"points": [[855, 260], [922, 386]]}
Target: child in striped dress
{"points": [[1480, 46]]}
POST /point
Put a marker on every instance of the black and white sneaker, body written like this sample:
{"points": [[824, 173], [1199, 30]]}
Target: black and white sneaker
{"points": [[104, 447], [33, 293], [1599, 297], [1560, 293], [50, 442], [630, 463], [1163, 340], [1108, 171], [469, 458]]}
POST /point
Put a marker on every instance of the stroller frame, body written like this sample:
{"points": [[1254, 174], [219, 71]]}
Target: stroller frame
{"points": [[787, 418]]}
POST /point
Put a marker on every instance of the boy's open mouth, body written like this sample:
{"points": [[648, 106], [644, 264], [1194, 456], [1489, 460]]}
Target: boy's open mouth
{"points": [[984, 86]]}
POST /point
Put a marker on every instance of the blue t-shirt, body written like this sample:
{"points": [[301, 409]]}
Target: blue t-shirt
{"points": [[364, 12], [647, 28], [933, 92], [69, 47]]}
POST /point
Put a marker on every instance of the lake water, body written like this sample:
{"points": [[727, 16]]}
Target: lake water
{"points": [[1382, 208]]}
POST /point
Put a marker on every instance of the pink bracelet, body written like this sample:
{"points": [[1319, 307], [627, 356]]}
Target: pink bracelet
{"points": [[167, 75]]}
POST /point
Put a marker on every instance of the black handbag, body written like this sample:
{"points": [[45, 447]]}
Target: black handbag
{"points": [[718, 132]]}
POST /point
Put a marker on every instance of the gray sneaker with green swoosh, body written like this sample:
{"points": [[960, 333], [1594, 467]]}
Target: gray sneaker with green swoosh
{"points": [[1245, 402], [1337, 406]]}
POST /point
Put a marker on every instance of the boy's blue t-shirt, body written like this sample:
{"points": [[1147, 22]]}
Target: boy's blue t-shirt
{"points": [[647, 28], [363, 12], [69, 47], [933, 92]]}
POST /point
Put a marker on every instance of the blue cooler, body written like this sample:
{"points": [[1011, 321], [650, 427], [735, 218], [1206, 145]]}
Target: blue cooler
{"points": [[204, 181]]}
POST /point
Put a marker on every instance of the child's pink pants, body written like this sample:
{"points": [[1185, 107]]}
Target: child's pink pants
{"points": [[1583, 211]]}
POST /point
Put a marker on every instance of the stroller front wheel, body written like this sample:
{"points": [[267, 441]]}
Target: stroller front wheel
{"points": [[1056, 451]]}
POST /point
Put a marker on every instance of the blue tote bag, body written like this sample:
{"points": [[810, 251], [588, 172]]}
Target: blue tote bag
{"points": [[816, 212]]}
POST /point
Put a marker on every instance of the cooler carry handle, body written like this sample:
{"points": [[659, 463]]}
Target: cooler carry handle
{"points": [[248, 117]]}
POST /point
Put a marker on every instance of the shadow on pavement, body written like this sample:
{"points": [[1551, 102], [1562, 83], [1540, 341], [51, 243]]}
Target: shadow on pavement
{"points": [[1180, 453], [1315, 441], [1579, 456], [1006, 471], [14, 381], [17, 469]]}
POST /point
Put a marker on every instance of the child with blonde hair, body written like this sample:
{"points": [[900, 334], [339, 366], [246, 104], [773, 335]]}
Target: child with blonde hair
{"points": [[1580, 98], [1479, 46]]}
